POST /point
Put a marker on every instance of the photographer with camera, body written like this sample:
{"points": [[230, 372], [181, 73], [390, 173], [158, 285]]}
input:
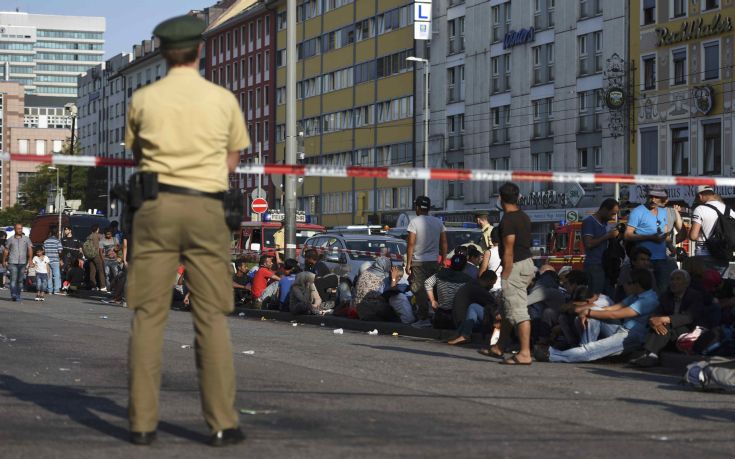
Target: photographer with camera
{"points": [[596, 233]]}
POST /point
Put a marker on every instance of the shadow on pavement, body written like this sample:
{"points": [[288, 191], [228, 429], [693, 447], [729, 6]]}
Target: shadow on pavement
{"points": [[426, 353], [666, 378], [697, 413], [80, 407]]}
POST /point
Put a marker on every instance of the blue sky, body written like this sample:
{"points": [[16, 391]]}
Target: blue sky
{"points": [[128, 21]]}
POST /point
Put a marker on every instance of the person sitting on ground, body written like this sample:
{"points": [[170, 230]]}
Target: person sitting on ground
{"points": [[603, 335], [447, 282], [474, 259], [262, 288], [241, 282], [398, 296], [640, 258], [369, 299], [569, 326], [326, 282], [472, 303], [290, 270], [545, 301], [570, 280], [75, 274], [681, 310], [303, 298]]}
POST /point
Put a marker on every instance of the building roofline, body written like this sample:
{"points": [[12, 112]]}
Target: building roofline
{"points": [[249, 11]]}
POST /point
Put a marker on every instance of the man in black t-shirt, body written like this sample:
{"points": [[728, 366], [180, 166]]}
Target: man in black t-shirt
{"points": [[518, 272], [241, 282]]}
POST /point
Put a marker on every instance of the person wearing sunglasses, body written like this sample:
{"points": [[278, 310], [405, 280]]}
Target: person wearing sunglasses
{"points": [[647, 227]]}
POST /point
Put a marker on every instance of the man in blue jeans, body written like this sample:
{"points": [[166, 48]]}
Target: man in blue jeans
{"points": [[17, 260], [52, 247], [603, 335], [648, 226]]}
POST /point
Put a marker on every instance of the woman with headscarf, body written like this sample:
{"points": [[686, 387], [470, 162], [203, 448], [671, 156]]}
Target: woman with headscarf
{"points": [[304, 298], [369, 299]]}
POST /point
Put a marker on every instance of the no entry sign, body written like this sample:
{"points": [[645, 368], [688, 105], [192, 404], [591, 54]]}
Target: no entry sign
{"points": [[259, 205]]}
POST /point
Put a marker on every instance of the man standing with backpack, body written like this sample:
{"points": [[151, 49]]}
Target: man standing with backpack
{"points": [[713, 230]]}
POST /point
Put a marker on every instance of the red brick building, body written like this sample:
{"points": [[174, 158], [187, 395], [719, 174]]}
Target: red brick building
{"points": [[240, 56]]}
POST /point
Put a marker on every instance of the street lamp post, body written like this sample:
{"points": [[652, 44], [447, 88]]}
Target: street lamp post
{"points": [[426, 114], [71, 109], [57, 201]]}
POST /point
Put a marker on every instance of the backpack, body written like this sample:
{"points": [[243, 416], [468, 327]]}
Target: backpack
{"points": [[89, 250], [612, 259], [721, 241]]}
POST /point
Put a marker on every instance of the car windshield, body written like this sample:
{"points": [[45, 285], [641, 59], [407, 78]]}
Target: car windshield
{"points": [[375, 246], [455, 238]]}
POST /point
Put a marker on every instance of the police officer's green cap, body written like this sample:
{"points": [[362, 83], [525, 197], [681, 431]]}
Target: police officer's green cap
{"points": [[482, 213], [180, 32]]}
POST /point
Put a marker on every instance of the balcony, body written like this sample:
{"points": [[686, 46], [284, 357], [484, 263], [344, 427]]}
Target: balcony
{"points": [[456, 45], [456, 142], [591, 122], [500, 135], [542, 129]]}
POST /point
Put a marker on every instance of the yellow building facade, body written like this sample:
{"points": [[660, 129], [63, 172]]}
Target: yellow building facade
{"points": [[681, 56], [355, 104]]}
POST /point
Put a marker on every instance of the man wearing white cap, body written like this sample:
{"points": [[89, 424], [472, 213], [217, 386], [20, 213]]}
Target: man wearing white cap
{"points": [[704, 218]]}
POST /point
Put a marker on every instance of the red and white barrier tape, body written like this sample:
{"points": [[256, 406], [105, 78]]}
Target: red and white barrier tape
{"points": [[403, 173]]}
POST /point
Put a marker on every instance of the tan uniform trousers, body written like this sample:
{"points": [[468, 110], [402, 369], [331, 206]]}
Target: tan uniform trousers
{"points": [[169, 229]]}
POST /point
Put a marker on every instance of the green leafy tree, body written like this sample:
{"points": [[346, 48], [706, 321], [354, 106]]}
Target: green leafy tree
{"points": [[16, 214], [35, 192]]}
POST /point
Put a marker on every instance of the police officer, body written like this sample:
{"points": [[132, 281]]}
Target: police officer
{"points": [[188, 132], [482, 218]]}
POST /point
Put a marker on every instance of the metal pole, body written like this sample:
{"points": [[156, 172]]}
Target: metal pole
{"points": [[260, 161], [71, 152], [58, 201], [426, 123], [290, 221]]}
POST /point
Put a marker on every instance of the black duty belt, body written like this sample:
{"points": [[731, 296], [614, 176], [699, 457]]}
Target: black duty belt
{"points": [[190, 191]]}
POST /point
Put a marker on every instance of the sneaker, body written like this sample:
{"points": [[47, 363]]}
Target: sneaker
{"points": [[426, 323], [37, 299], [645, 361], [43, 299], [103, 289], [695, 374]]}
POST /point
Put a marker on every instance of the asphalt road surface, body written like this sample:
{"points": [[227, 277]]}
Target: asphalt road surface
{"points": [[307, 392]]}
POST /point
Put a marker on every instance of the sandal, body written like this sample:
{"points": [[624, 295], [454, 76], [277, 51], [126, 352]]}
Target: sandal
{"points": [[514, 361], [487, 352]]}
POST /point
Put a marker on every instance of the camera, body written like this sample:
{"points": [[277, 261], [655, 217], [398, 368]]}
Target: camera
{"points": [[621, 227]]}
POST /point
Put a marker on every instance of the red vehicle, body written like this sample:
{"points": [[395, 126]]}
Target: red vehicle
{"points": [[565, 246], [257, 238]]}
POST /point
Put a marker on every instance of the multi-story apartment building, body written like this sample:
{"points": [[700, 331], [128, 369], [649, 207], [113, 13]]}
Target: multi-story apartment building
{"points": [[521, 86], [682, 121], [355, 103], [27, 130], [46, 53], [240, 50]]}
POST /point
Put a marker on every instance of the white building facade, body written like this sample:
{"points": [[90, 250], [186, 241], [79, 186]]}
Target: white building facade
{"points": [[46, 53], [521, 86]]}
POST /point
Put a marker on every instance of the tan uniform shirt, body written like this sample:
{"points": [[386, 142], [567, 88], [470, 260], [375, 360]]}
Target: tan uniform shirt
{"points": [[183, 127]]}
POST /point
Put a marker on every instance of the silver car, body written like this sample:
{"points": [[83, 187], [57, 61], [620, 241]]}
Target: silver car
{"points": [[346, 254]]}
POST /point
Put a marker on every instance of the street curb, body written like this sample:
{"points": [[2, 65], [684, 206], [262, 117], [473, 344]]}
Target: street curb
{"points": [[670, 360]]}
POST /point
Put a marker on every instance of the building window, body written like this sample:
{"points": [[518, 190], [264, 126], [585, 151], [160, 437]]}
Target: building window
{"points": [[455, 81], [582, 52], [710, 5], [455, 128], [598, 51], [500, 21], [23, 146], [500, 124], [543, 63], [680, 8], [543, 110], [649, 72], [583, 159], [679, 60], [543, 14], [711, 52], [40, 147], [456, 35], [649, 12], [712, 149], [680, 151]]}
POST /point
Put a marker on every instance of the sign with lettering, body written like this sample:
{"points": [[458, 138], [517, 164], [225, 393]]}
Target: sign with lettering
{"points": [[692, 30], [520, 37], [422, 20], [685, 193]]}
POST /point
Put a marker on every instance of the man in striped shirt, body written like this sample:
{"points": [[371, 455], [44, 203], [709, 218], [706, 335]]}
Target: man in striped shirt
{"points": [[447, 282], [52, 247]]}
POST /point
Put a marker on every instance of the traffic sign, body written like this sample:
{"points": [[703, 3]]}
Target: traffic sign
{"points": [[572, 216], [258, 193], [574, 193], [259, 205]]}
